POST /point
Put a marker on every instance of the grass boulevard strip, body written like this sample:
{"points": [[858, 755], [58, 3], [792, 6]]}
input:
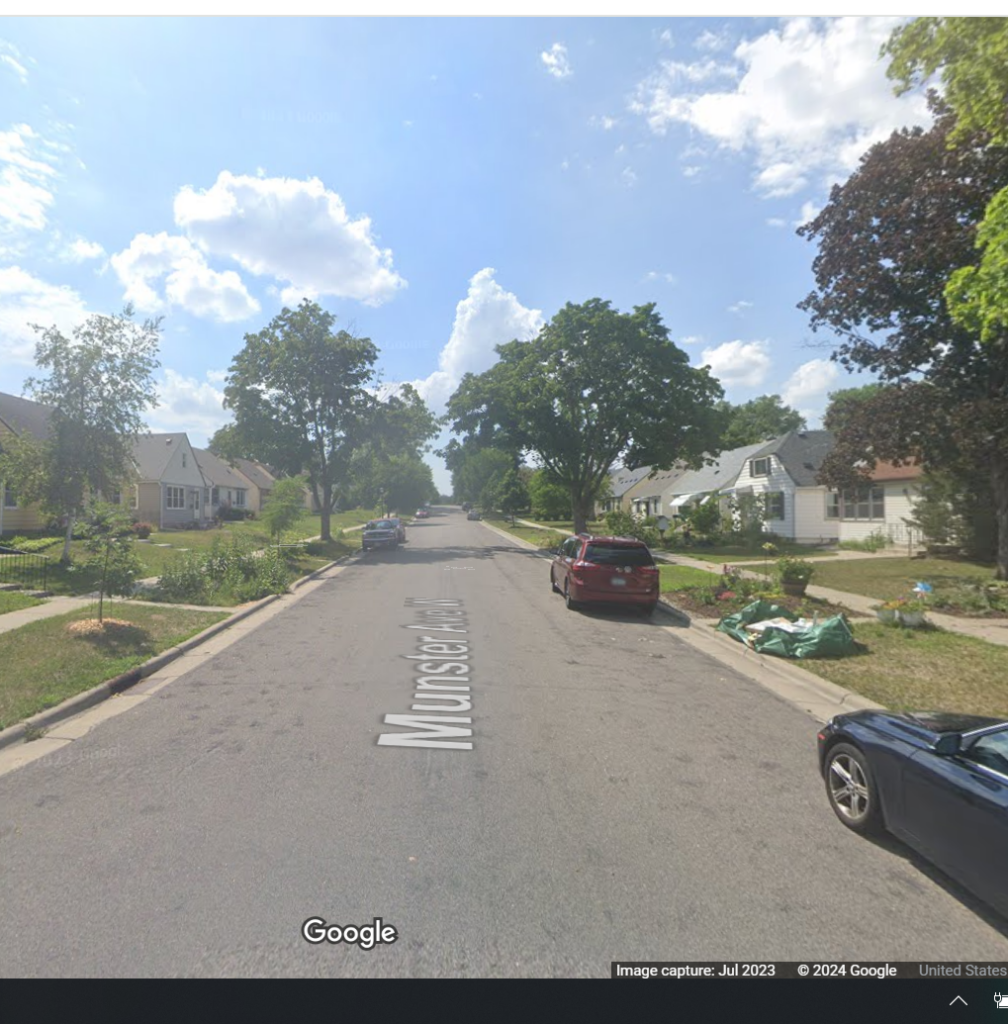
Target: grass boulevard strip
{"points": [[443, 676]]}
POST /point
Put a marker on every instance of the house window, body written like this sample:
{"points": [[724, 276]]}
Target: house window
{"points": [[117, 496], [206, 495], [864, 503], [239, 499], [133, 499], [10, 498], [174, 497], [215, 498], [773, 505], [759, 467], [833, 505], [183, 460]]}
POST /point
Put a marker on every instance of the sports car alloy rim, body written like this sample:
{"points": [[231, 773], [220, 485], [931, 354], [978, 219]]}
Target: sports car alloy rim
{"points": [[848, 787]]}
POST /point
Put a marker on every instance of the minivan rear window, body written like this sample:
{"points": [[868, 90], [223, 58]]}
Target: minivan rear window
{"points": [[618, 554]]}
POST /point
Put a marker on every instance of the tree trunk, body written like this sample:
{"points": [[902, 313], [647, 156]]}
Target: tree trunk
{"points": [[581, 509], [65, 557], [999, 485], [326, 512]]}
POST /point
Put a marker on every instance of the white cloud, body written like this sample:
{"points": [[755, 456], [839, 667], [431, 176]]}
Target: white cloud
{"points": [[691, 339], [776, 222], [738, 363], [691, 171], [659, 275], [665, 38], [189, 404], [809, 211], [739, 307], [298, 232], [602, 121], [19, 69], [24, 300], [81, 250], [811, 380], [27, 172], [188, 281], [629, 177], [555, 59], [805, 100], [711, 41]]}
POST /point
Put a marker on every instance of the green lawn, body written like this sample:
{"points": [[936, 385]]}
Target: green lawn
{"points": [[44, 663], [13, 601], [735, 553], [678, 577], [541, 538], [921, 669], [887, 578]]}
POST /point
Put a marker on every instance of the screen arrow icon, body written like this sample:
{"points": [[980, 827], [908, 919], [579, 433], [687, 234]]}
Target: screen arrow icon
{"points": [[959, 999]]}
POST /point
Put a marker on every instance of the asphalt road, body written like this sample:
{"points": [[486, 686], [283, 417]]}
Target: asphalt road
{"points": [[624, 798]]}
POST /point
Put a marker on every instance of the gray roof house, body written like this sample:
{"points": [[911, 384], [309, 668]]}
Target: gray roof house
{"points": [[261, 481], [169, 488], [228, 486], [620, 482], [713, 479]]}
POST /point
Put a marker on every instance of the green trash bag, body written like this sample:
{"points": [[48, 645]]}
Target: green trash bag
{"points": [[831, 638], [758, 611]]}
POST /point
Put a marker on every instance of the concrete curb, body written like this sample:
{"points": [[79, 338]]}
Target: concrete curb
{"points": [[111, 687]]}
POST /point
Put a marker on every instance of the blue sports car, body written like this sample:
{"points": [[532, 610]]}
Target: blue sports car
{"points": [[937, 781]]}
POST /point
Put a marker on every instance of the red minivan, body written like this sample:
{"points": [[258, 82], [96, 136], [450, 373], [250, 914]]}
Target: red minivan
{"points": [[605, 570]]}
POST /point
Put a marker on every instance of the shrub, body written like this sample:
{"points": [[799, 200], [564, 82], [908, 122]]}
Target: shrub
{"points": [[184, 579], [794, 570], [143, 530], [876, 541]]}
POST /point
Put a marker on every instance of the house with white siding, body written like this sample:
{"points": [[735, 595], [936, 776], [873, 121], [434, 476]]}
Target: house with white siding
{"points": [[881, 506], [783, 474], [168, 487], [694, 486]]}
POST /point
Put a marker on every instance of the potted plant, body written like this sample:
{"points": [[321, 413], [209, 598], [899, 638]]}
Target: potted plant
{"points": [[913, 611], [794, 575], [889, 611]]}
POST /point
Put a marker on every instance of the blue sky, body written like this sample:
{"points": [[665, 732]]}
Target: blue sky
{"points": [[440, 185]]}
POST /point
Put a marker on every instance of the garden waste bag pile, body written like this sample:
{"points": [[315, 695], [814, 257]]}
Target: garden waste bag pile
{"points": [[770, 629]]}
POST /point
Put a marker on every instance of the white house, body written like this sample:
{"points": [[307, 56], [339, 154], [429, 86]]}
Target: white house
{"points": [[168, 489], [783, 473], [882, 506]]}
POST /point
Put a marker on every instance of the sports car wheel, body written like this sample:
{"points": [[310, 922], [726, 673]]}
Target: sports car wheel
{"points": [[571, 603], [556, 589], [851, 789]]}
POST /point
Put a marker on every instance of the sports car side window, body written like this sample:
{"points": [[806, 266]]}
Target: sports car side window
{"points": [[990, 751]]}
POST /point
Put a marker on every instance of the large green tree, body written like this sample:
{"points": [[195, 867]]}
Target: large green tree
{"points": [[970, 55], [758, 420], [888, 240], [594, 388], [98, 386], [300, 394], [846, 406]]}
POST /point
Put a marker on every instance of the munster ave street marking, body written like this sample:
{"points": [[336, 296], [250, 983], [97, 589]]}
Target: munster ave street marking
{"points": [[442, 683]]}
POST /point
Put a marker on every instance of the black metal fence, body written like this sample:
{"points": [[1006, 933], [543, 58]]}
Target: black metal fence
{"points": [[23, 569]]}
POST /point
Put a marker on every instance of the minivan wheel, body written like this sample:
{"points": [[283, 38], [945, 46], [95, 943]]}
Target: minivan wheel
{"points": [[571, 603]]}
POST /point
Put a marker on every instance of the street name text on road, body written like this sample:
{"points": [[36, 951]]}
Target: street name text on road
{"points": [[443, 681]]}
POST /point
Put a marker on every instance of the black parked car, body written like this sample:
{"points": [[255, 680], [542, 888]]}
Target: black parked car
{"points": [[936, 780]]}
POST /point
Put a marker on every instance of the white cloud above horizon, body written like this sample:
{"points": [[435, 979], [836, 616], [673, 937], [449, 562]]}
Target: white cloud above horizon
{"points": [[189, 282], [807, 387], [805, 100], [556, 61], [25, 300], [742, 364], [296, 231], [190, 405], [27, 180]]}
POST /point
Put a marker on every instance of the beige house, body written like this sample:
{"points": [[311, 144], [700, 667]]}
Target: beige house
{"points": [[620, 482], [18, 416], [645, 497], [260, 482]]}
